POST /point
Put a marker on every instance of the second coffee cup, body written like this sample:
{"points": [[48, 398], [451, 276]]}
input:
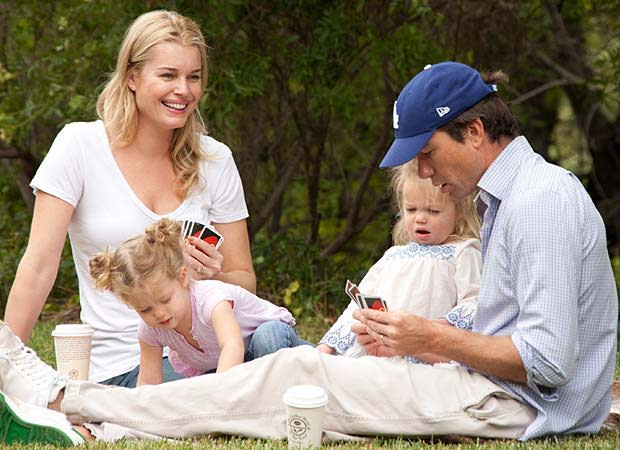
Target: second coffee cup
{"points": [[72, 344], [305, 409]]}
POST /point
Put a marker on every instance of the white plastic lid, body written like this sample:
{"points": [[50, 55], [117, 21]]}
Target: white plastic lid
{"points": [[73, 329], [305, 396]]}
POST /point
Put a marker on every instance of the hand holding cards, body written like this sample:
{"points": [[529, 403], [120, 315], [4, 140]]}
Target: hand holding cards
{"points": [[364, 301], [201, 231]]}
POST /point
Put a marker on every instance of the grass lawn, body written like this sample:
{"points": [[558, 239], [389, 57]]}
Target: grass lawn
{"points": [[42, 342]]}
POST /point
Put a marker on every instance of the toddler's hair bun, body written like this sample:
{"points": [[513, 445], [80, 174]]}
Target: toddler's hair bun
{"points": [[100, 267]]}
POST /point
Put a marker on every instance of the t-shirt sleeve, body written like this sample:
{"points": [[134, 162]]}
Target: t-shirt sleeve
{"points": [[61, 173], [148, 335], [209, 299], [225, 186]]}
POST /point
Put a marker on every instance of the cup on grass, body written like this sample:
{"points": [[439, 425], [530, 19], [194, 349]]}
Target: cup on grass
{"points": [[72, 344], [305, 410]]}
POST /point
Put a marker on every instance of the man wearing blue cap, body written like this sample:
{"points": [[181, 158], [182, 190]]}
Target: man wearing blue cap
{"points": [[540, 360], [545, 328]]}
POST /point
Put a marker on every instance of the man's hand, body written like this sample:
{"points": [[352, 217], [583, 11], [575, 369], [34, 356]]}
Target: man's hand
{"points": [[384, 333], [405, 334]]}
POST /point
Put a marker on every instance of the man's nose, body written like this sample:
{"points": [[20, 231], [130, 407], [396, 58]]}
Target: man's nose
{"points": [[425, 170]]}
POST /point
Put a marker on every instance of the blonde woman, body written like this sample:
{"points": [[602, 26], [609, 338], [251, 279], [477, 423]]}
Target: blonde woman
{"points": [[147, 157], [434, 268]]}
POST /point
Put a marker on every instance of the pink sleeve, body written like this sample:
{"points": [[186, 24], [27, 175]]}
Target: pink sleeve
{"points": [[216, 296], [148, 335]]}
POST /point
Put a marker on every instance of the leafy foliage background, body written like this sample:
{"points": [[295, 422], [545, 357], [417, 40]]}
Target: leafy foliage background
{"points": [[302, 92]]}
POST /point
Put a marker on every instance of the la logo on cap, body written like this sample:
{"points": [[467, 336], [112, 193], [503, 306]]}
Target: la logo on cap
{"points": [[443, 110], [395, 116]]}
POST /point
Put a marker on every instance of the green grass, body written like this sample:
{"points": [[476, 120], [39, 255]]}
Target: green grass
{"points": [[311, 329]]}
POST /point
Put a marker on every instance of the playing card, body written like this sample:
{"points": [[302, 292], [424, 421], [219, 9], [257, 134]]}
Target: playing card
{"points": [[353, 292], [186, 226], [195, 229], [201, 231], [182, 228], [374, 302], [210, 236]]}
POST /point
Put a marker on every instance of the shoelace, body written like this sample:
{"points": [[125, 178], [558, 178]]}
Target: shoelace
{"points": [[26, 361]]}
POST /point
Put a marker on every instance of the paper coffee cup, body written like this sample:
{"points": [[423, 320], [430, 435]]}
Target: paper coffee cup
{"points": [[72, 344], [305, 410]]}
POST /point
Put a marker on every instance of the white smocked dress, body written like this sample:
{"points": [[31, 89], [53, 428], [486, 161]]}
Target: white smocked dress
{"points": [[432, 281]]}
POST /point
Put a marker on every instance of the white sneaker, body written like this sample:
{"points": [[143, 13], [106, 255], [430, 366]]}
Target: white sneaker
{"points": [[23, 375], [24, 424]]}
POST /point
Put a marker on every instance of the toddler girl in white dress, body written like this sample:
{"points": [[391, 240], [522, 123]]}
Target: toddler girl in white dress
{"points": [[434, 268]]}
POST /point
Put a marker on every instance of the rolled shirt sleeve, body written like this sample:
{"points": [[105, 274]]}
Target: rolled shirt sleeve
{"points": [[547, 287]]}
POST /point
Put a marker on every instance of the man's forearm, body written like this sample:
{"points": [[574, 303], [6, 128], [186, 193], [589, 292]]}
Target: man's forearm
{"points": [[492, 355]]}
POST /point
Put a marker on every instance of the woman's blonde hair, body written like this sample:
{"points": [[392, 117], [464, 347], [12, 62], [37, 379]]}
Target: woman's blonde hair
{"points": [[467, 224], [116, 105], [139, 262]]}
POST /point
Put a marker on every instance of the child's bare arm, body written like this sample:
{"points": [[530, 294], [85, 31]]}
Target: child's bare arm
{"points": [[324, 348], [150, 364], [228, 336]]}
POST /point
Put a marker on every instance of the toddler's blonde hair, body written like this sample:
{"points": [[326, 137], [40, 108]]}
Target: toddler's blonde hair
{"points": [[467, 224], [139, 262]]}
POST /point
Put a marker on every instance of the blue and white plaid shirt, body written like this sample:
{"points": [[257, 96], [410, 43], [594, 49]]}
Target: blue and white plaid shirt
{"points": [[547, 282]]}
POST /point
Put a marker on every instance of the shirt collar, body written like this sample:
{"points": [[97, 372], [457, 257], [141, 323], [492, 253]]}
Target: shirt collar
{"points": [[497, 180]]}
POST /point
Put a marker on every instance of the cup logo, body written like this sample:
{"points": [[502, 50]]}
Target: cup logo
{"points": [[298, 427], [74, 374]]}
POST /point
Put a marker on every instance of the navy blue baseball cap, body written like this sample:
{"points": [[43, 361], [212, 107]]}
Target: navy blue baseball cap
{"points": [[430, 100]]}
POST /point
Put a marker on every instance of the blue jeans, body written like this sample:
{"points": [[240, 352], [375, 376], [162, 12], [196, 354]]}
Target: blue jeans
{"points": [[130, 378], [270, 337]]}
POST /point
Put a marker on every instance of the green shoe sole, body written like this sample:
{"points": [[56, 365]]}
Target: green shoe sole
{"points": [[13, 429]]}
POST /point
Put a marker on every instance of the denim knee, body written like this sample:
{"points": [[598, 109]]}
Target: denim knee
{"points": [[270, 337]]}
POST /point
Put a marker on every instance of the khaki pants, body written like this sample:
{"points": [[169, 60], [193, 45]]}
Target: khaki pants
{"points": [[367, 396]]}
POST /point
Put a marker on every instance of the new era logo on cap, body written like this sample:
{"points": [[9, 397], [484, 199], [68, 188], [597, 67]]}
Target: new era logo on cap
{"points": [[443, 110]]}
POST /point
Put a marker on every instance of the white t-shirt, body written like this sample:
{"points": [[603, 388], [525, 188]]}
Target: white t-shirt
{"points": [[81, 170]]}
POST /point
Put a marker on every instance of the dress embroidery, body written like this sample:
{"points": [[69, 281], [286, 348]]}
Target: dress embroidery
{"points": [[462, 316], [340, 338], [413, 249]]}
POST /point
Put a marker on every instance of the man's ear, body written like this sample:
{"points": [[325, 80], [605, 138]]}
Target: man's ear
{"points": [[475, 132]]}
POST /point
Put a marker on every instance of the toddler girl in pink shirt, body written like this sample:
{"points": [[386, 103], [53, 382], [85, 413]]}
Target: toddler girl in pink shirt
{"points": [[205, 324]]}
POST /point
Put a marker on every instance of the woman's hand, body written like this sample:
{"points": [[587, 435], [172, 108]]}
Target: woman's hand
{"points": [[205, 262], [236, 267]]}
